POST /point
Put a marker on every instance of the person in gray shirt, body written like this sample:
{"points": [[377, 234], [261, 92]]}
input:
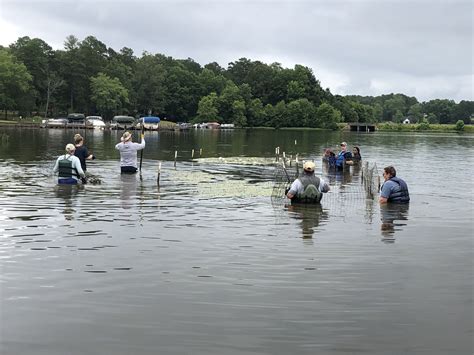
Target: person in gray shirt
{"points": [[128, 153]]}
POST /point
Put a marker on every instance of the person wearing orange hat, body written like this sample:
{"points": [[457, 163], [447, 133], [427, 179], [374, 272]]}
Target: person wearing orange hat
{"points": [[307, 188]]}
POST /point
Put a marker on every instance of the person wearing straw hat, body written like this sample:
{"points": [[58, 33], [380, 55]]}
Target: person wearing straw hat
{"points": [[307, 188], [128, 153], [68, 167]]}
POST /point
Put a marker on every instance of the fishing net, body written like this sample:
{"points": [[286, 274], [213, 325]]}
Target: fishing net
{"points": [[351, 188]]}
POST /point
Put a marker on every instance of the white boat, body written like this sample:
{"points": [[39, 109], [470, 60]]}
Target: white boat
{"points": [[95, 122], [54, 122]]}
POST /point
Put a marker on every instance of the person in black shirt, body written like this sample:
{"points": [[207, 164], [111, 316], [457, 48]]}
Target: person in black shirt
{"points": [[81, 151]]}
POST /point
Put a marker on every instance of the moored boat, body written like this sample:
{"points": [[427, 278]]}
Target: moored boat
{"points": [[123, 122], [149, 122]]}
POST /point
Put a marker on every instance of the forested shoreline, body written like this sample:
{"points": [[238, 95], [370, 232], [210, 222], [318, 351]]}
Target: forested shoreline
{"points": [[89, 77]]}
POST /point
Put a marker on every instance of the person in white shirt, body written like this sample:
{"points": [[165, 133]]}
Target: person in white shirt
{"points": [[307, 188], [128, 153], [68, 167]]}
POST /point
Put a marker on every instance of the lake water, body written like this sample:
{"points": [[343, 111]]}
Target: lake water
{"points": [[209, 263]]}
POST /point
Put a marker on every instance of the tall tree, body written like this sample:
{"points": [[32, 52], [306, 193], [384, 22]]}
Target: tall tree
{"points": [[208, 108], [36, 54], [14, 80], [108, 94]]}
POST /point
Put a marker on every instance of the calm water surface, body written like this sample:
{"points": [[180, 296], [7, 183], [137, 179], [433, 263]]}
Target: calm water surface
{"points": [[208, 263]]}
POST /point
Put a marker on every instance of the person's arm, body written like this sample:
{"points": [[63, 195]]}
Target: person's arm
{"points": [[293, 189], [384, 193], [117, 146], [323, 186], [77, 166], [142, 143], [87, 155], [56, 166]]}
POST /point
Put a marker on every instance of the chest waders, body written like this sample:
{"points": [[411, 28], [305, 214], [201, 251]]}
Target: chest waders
{"points": [[311, 193]]}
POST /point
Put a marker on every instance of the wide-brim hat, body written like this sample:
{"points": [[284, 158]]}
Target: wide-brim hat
{"points": [[126, 137]]}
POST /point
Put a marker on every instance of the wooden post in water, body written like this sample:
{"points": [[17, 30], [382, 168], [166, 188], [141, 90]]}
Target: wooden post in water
{"points": [[175, 157], [192, 154], [296, 163], [200, 152], [159, 173]]}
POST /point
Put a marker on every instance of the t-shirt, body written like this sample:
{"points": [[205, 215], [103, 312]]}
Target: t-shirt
{"points": [[128, 152], [82, 153], [298, 188]]}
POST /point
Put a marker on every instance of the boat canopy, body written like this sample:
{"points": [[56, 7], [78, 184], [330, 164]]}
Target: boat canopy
{"points": [[123, 119], [150, 119], [76, 116]]}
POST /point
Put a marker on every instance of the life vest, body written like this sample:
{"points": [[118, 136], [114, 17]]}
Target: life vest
{"points": [[342, 157], [400, 192], [65, 168], [311, 193]]}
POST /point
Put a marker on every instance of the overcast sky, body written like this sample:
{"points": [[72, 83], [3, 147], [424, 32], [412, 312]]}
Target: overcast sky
{"points": [[421, 48]]}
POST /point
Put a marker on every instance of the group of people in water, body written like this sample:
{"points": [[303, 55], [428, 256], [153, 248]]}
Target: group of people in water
{"points": [[71, 167], [308, 188]]}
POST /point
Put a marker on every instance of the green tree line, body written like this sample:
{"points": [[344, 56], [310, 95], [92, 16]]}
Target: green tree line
{"points": [[89, 77]]}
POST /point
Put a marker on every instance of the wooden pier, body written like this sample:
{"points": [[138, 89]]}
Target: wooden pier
{"points": [[361, 127]]}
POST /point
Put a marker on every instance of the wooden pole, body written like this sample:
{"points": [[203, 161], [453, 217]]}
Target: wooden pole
{"points": [[175, 157], [192, 154], [159, 173]]}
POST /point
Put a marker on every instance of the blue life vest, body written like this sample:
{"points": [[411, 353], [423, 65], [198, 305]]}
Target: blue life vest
{"points": [[400, 192], [342, 157]]}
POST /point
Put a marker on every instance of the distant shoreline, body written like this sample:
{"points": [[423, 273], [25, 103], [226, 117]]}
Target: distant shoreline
{"points": [[381, 127]]}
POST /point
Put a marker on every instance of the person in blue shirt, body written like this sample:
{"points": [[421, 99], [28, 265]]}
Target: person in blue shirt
{"points": [[393, 189], [343, 156]]}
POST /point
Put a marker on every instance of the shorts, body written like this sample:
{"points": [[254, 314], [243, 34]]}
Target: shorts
{"points": [[128, 169], [67, 181]]}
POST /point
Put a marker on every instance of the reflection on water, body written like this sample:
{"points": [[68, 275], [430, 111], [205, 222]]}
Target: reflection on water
{"points": [[206, 264], [310, 217], [394, 217], [67, 193], [128, 190]]}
